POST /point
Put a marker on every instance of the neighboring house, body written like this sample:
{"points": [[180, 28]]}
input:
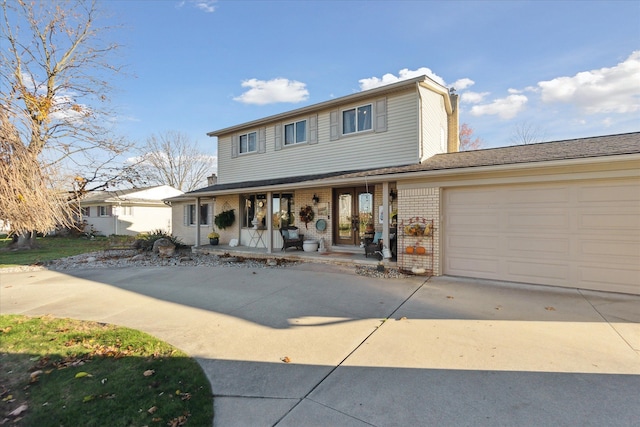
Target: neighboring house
{"points": [[563, 213], [128, 212]]}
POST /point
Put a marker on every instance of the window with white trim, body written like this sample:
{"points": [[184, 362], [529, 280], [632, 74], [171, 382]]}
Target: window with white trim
{"points": [[190, 214], [295, 133], [357, 119], [104, 210], [247, 143]]}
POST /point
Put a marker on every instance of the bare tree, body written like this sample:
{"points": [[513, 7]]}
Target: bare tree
{"points": [[527, 133], [55, 108], [467, 142], [172, 158]]}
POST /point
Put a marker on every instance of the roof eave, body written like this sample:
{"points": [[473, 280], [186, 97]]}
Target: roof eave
{"points": [[424, 80]]}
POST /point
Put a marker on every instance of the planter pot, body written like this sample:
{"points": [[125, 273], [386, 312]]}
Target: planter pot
{"points": [[214, 241], [310, 245]]}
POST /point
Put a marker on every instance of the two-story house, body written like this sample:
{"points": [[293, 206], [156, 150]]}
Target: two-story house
{"points": [[563, 213]]}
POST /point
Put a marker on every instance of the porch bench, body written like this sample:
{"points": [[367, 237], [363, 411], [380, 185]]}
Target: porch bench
{"points": [[291, 238]]}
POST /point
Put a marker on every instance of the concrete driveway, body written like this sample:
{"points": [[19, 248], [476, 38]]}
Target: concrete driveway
{"points": [[369, 352]]}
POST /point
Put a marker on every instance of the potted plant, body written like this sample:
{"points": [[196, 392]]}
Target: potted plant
{"points": [[214, 238]]}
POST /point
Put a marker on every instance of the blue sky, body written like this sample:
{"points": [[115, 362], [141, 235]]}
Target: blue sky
{"points": [[568, 68]]}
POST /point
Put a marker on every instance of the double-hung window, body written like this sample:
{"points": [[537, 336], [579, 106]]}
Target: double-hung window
{"points": [[357, 119], [104, 210], [295, 133], [248, 143], [190, 213]]}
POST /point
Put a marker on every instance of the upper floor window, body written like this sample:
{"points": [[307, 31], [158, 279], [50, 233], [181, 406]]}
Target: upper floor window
{"points": [[248, 143], [356, 119], [295, 133]]}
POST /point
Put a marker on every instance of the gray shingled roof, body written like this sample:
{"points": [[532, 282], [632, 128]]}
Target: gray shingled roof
{"points": [[598, 146]]}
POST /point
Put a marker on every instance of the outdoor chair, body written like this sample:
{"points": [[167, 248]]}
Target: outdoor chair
{"points": [[373, 246], [291, 238]]}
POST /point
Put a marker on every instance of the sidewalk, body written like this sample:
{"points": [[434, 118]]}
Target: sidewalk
{"points": [[369, 352]]}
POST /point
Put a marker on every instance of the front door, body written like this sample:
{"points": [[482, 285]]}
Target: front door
{"points": [[353, 210]]}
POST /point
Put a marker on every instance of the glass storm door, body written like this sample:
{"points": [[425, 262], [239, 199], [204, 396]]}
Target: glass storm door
{"points": [[353, 210]]}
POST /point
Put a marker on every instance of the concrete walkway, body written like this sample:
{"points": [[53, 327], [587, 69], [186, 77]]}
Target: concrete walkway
{"points": [[369, 352]]}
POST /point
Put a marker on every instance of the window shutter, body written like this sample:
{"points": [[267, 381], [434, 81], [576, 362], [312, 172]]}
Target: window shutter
{"points": [[278, 130], [262, 140], [185, 215], [234, 146], [381, 115], [313, 129], [334, 126]]}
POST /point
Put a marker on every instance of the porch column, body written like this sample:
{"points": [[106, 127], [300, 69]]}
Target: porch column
{"points": [[269, 221], [385, 214], [197, 222]]}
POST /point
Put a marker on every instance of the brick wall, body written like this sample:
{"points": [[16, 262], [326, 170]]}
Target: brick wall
{"points": [[419, 203]]}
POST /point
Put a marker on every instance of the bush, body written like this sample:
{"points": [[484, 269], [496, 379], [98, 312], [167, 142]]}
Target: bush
{"points": [[145, 241]]}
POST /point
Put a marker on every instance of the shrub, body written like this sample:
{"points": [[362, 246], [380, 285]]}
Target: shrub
{"points": [[145, 241]]}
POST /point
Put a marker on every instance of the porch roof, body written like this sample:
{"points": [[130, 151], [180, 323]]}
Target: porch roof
{"points": [[605, 147]]}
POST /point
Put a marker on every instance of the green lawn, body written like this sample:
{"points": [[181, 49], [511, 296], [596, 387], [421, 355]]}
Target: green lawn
{"points": [[62, 372], [49, 248]]}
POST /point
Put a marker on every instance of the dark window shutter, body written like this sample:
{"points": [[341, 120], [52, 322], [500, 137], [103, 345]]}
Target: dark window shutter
{"points": [[262, 140], [334, 126], [381, 115], [313, 129], [278, 136], [185, 215]]}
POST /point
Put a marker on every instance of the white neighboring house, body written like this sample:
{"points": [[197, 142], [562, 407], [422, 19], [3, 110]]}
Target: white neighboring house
{"points": [[128, 212]]}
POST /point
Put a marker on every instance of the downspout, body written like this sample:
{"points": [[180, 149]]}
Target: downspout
{"points": [[419, 127]]}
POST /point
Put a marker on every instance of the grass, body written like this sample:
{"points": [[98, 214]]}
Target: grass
{"points": [[71, 373], [49, 248]]}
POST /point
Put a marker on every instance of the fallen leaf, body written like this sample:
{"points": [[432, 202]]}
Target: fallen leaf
{"points": [[550, 308], [148, 372], [402, 318], [9, 397], [83, 374], [152, 410], [88, 398], [449, 297], [19, 410], [286, 359]]}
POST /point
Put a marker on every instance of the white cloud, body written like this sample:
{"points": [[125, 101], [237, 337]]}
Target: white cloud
{"points": [[207, 6], [404, 74], [473, 97], [505, 108], [263, 92], [462, 84], [607, 90]]}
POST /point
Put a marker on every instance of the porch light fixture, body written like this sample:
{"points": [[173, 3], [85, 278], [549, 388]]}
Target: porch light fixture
{"points": [[393, 194], [315, 199]]}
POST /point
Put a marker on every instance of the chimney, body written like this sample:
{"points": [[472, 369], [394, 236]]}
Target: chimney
{"points": [[212, 180]]}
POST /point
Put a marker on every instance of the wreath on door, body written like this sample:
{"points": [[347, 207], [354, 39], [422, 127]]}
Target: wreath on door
{"points": [[306, 215]]}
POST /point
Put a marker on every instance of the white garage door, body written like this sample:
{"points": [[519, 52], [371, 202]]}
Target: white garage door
{"points": [[577, 234]]}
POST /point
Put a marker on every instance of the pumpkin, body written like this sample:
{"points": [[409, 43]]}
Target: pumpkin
{"points": [[420, 250], [409, 249]]}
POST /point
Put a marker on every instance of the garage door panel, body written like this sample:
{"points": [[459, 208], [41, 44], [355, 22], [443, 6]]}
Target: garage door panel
{"points": [[627, 221], [526, 270], [476, 221], [537, 196], [468, 265], [579, 234], [538, 220], [593, 194], [614, 279], [538, 246], [475, 243]]}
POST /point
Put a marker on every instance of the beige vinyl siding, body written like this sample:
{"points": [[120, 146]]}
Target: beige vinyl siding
{"points": [[396, 146], [434, 123]]}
